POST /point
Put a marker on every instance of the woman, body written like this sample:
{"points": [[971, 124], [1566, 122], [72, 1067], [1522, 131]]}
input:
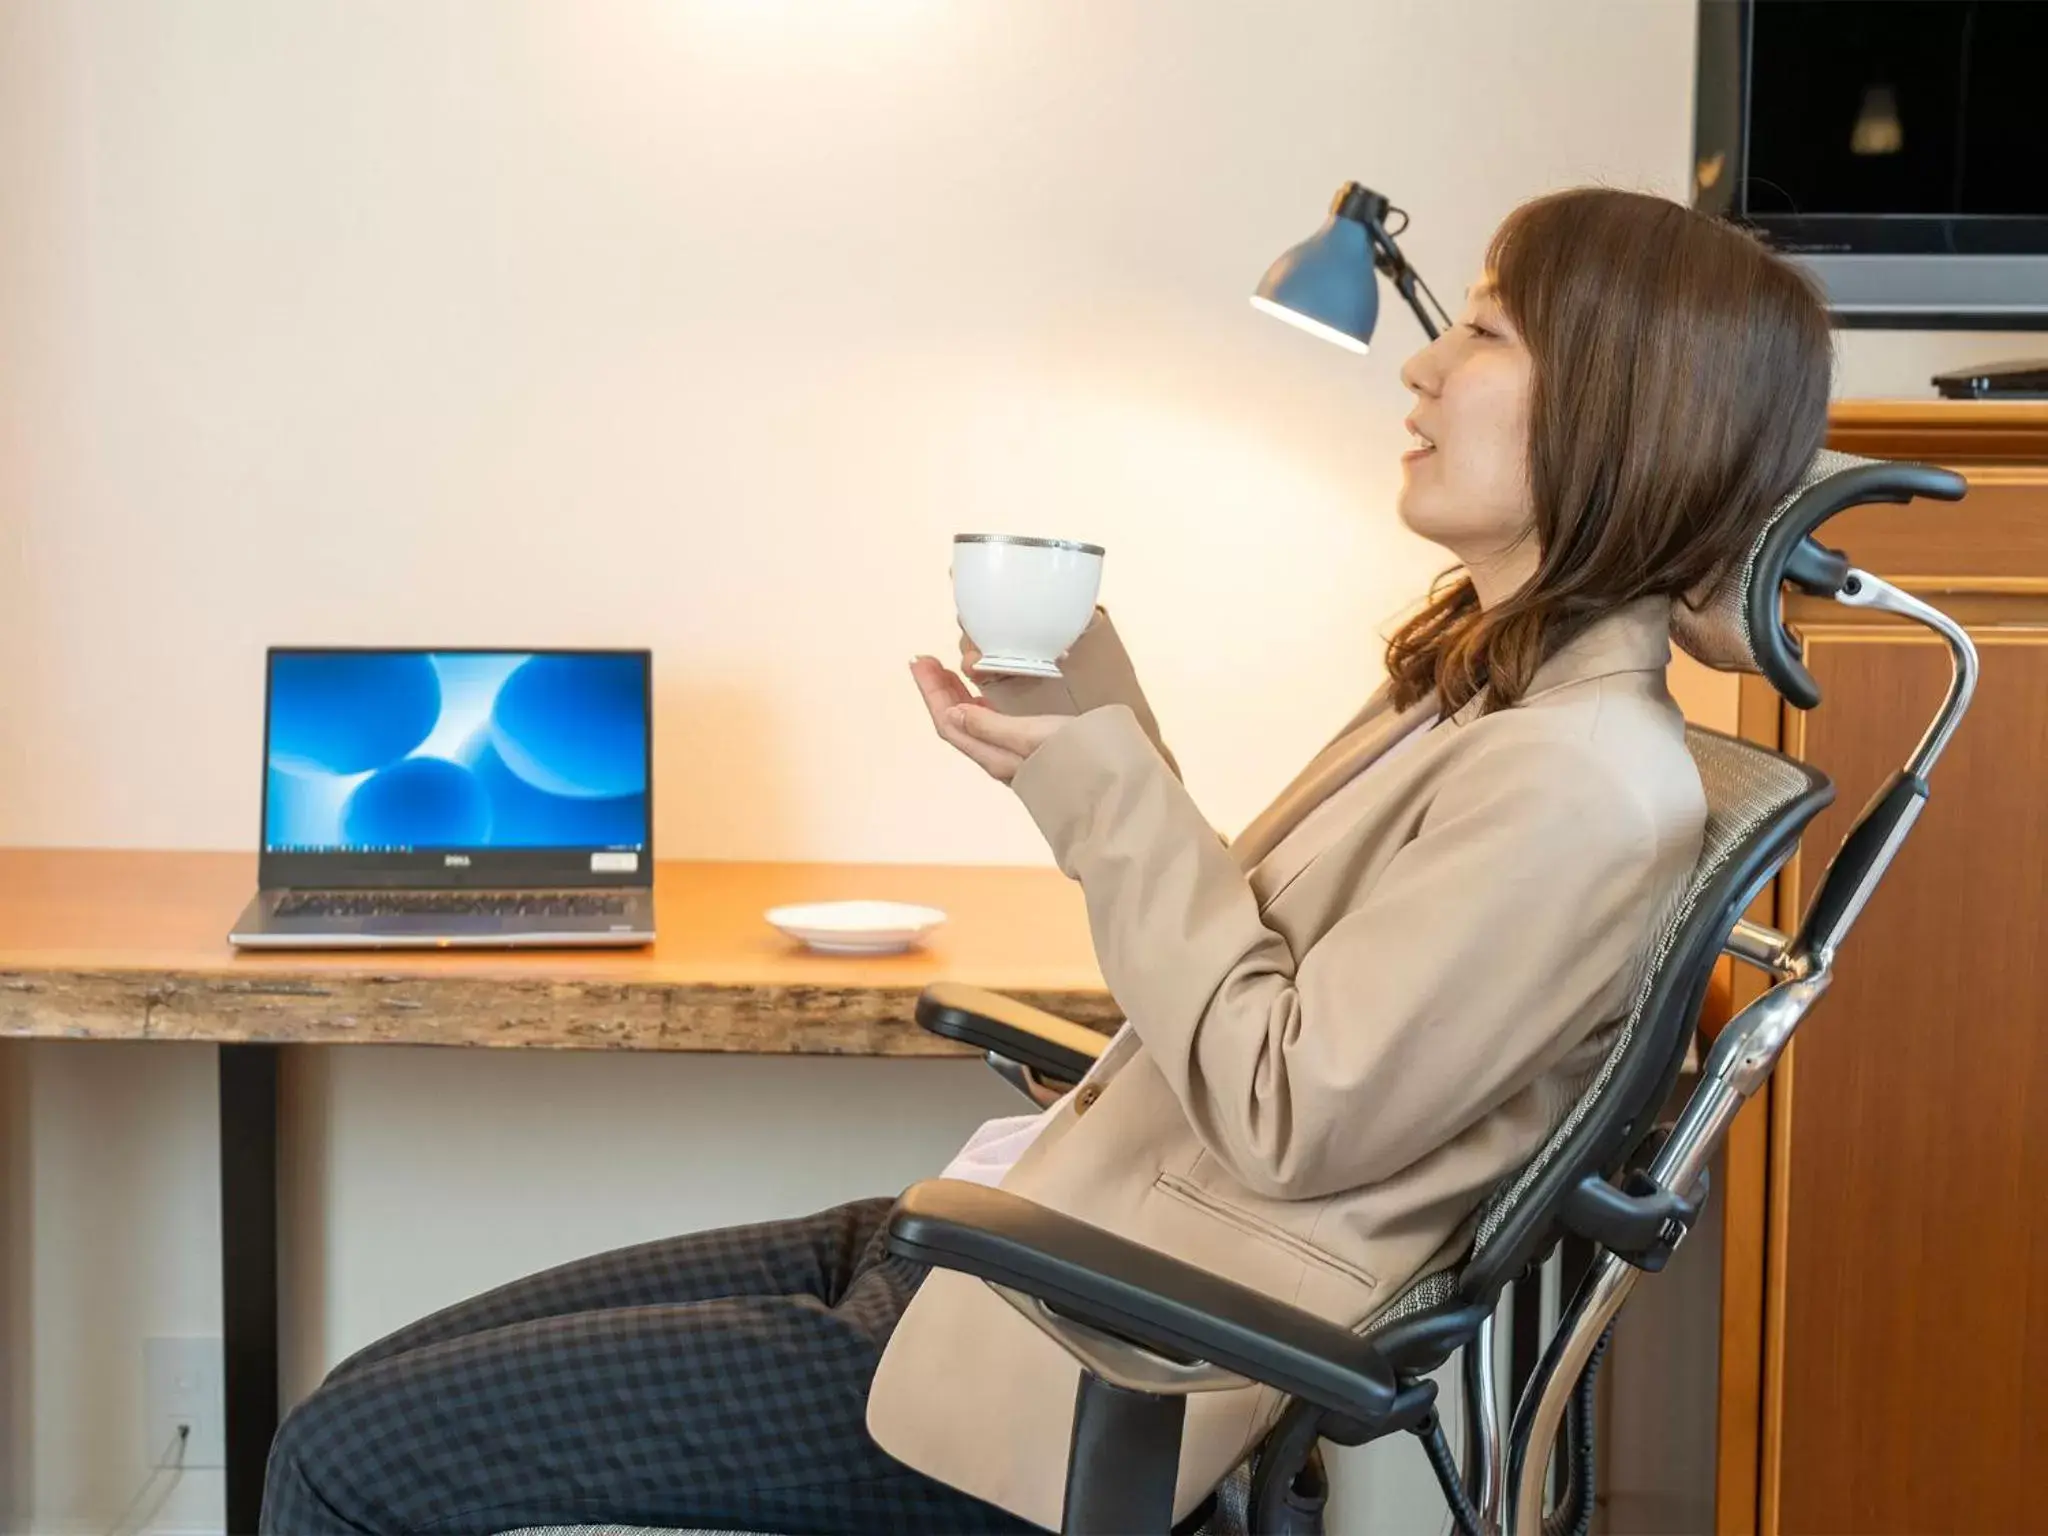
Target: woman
{"points": [[1345, 1028]]}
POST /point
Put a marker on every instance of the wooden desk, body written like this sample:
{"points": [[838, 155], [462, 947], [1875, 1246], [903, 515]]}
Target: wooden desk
{"points": [[131, 946]]}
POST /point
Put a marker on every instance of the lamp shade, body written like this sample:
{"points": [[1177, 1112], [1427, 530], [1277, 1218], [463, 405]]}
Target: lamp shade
{"points": [[1326, 285]]}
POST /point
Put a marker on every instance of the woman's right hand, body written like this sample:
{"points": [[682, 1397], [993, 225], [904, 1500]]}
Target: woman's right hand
{"points": [[998, 743], [970, 654]]}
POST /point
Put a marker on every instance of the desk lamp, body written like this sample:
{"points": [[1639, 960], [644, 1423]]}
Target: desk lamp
{"points": [[1325, 284]]}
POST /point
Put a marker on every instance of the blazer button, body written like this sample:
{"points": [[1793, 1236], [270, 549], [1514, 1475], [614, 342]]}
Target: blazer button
{"points": [[1089, 1093]]}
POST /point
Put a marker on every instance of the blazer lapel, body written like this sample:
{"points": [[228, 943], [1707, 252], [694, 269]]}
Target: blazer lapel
{"points": [[1361, 743], [1636, 638]]}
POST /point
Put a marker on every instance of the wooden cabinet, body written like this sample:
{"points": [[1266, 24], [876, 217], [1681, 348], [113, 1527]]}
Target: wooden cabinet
{"points": [[1884, 1306]]}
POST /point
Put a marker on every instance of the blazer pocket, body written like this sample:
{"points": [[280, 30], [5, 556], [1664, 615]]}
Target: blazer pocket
{"points": [[1185, 1190]]}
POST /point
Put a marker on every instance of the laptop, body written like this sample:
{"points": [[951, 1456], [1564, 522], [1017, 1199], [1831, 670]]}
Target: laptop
{"points": [[431, 799]]}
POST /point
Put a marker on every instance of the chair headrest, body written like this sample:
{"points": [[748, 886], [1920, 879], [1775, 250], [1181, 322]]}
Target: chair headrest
{"points": [[1734, 624]]}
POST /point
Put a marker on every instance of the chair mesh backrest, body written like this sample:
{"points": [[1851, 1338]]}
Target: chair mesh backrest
{"points": [[1746, 788]]}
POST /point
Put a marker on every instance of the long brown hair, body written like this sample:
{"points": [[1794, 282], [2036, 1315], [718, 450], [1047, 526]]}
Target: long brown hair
{"points": [[1679, 388]]}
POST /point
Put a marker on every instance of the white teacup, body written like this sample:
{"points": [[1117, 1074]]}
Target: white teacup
{"points": [[1024, 601]]}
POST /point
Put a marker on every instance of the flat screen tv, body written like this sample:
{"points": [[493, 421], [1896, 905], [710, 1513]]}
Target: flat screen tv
{"points": [[1899, 148]]}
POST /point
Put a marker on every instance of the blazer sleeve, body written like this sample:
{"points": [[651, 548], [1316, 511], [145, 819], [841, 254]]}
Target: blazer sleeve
{"points": [[1096, 671], [1490, 943]]}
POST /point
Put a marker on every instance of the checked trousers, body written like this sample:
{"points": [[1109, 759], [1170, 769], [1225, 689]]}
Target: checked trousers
{"points": [[718, 1380]]}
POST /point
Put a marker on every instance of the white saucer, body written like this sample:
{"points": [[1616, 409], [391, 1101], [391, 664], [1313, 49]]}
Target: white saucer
{"points": [[857, 927], [1017, 666]]}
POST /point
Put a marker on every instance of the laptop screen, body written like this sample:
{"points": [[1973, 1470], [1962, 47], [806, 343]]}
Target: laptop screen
{"points": [[394, 753]]}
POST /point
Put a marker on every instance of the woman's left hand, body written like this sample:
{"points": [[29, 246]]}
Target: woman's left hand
{"points": [[998, 743]]}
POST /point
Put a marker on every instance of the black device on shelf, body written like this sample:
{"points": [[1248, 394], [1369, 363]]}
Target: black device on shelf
{"points": [[2024, 380]]}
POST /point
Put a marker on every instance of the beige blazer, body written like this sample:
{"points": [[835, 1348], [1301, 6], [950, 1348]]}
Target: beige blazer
{"points": [[1325, 1073]]}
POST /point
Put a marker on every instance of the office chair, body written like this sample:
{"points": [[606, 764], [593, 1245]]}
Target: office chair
{"points": [[1148, 1329]]}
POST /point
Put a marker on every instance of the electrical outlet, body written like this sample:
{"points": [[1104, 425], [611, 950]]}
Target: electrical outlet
{"points": [[181, 1386]]}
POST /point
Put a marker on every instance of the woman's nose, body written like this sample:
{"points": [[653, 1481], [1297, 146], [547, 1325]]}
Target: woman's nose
{"points": [[1419, 373]]}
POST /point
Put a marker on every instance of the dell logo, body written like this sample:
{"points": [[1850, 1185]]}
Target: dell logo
{"points": [[456, 860]]}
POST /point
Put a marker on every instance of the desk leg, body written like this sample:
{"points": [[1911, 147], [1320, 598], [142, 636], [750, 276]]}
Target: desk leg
{"points": [[248, 1265]]}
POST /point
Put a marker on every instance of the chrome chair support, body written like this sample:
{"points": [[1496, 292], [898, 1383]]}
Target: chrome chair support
{"points": [[1765, 948], [1485, 1448], [1737, 1066]]}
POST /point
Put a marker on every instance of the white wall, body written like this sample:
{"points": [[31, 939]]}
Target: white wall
{"points": [[705, 326], [699, 324], [122, 1190]]}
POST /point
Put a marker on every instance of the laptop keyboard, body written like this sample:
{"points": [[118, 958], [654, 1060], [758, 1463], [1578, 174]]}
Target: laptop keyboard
{"points": [[450, 904]]}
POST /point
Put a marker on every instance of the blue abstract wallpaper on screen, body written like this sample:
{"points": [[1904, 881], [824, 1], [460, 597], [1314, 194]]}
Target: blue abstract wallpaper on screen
{"points": [[399, 751]]}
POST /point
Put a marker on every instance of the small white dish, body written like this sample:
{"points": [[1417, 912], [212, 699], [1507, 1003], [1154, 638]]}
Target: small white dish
{"points": [[856, 927]]}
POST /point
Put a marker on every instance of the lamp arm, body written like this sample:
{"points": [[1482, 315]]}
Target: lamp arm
{"points": [[1387, 258], [1443, 314]]}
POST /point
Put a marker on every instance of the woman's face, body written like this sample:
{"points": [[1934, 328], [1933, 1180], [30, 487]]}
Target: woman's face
{"points": [[1465, 483]]}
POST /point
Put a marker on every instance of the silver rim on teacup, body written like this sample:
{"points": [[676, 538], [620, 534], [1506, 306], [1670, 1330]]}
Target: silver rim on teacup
{"points": [[1018, 538]]}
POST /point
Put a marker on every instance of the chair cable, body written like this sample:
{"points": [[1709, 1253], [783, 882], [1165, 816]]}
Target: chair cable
{"points": [[1574, 1514], [1464, 1513]]}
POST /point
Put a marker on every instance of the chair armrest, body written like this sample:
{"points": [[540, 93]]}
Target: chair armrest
{"points": [[1139, 1295], [1050, 1046]]}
